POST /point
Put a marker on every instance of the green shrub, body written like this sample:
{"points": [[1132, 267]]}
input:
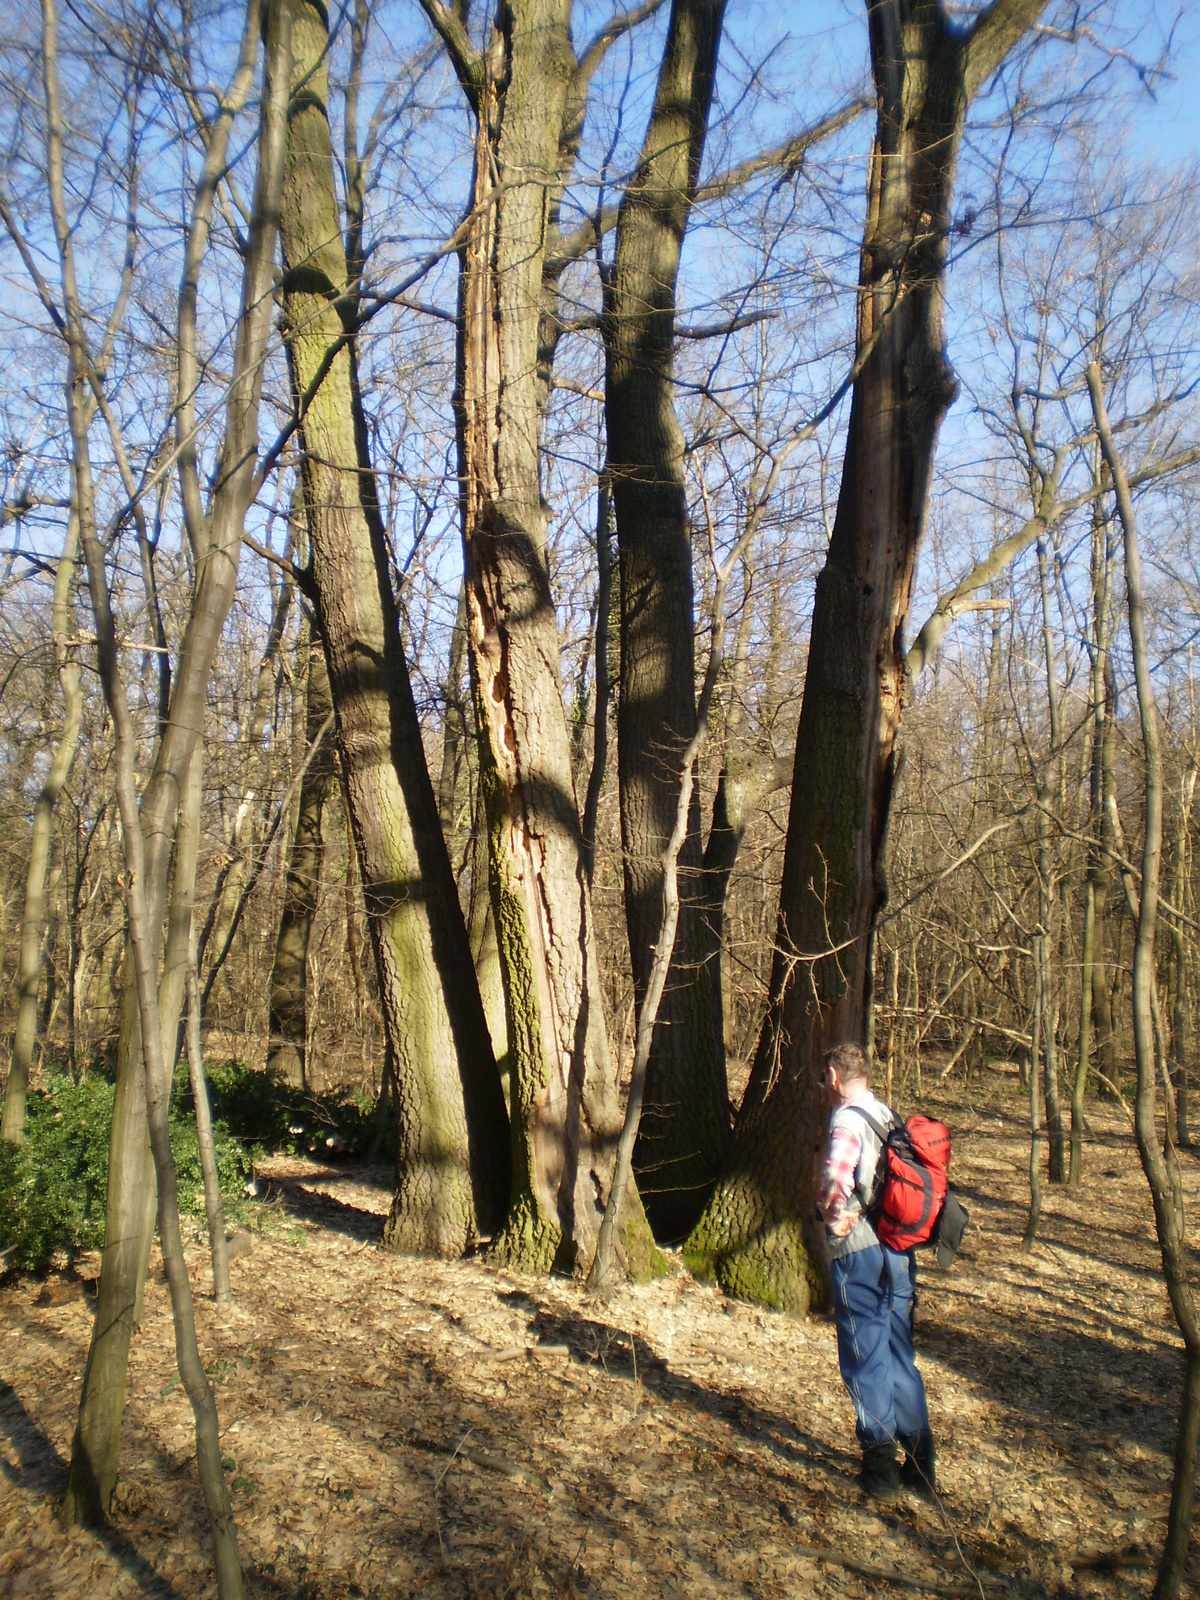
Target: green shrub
{"points": [[53, 1184], [269, 1114]]}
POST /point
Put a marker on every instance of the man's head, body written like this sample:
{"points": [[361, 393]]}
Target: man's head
{"points": [[847, 1071]]}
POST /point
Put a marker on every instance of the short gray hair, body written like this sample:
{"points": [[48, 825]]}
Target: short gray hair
{"points": [[851, 1063]]}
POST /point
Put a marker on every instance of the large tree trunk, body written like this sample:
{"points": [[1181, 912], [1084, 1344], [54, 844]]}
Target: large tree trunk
{"points": [[565, 1113], [217, 542], [685, 1120], [33, 921], [452, 1151], [288, 1007], [757, 1234]]}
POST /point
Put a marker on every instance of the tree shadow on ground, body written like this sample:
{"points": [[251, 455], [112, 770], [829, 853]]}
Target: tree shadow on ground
{"points": [[41, 1468], [296, 1198]]}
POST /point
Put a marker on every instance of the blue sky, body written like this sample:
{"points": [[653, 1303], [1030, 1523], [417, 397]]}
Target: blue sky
{"points": [[1169, 124]]}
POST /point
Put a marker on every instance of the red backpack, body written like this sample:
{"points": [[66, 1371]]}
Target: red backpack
{"points": [[906, 1208]]}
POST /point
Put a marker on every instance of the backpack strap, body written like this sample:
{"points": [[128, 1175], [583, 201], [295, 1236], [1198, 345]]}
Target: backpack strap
{"points": [[882, 1135]]}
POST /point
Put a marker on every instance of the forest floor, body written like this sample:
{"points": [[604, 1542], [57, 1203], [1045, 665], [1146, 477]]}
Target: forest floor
{"points": [[402, 1427]]}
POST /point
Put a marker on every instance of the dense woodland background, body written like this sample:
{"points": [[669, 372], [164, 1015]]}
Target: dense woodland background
{"points": [[596, 350]]}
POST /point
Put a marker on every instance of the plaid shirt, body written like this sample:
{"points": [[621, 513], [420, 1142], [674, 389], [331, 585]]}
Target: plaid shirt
{"points": [[836, 1198]]}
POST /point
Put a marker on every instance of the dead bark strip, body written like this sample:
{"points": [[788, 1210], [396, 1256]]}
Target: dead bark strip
{"points": [[524, 90]]}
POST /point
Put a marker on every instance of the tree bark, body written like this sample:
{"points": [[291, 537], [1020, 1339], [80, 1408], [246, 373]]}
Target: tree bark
{"points": [[1180, 1043], [565, 1114], [213, 1209], [1159, 1164], [219, 925], [144, 913], [1036, 1136], [33, 920], [685, 1121], [1047, 896], [217, 542], [452, 1152], [288, 1005], [757, 1235]]}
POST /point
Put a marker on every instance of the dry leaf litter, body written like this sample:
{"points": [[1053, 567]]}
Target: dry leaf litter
{"points": [[404, 1427]]}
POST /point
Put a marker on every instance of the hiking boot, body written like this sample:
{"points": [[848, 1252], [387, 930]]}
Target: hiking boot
{"points": [[917, 1473], [880, 1475]]}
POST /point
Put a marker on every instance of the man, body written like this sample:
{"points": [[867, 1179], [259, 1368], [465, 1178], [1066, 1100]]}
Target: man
{"points": [[872, 1288]]}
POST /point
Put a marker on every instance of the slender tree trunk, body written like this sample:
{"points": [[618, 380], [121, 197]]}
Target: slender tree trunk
{"points": [[595, 785], [1036, 1136], [216, 541], [1087, 954], [684, 1127], [743, 784], [454, 722], [1094, 884], [225, 906], [757, 1234], [1180, 1043], [1160, 1166], [452, 1151], [288, 1006], [144, 913], [565, 1112], [213, 1210], [1047, 888], [33, 920]]}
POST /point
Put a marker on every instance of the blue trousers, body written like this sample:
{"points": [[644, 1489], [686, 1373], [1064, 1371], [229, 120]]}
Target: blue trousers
{"points": [[873, 1311]]}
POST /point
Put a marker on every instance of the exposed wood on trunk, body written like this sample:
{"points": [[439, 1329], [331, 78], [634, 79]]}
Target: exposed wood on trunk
{"points": [[565, 1114]]}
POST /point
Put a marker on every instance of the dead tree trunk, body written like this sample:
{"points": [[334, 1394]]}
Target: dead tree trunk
{"points": [[757, 1235]]}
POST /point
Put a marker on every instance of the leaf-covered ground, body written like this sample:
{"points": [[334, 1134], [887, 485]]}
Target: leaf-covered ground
{"points": [[397, 1427]]}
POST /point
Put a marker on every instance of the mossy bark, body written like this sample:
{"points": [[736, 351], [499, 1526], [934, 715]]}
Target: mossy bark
{"points": [[565, 1111], [757, 1234], [452, 1151]]}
